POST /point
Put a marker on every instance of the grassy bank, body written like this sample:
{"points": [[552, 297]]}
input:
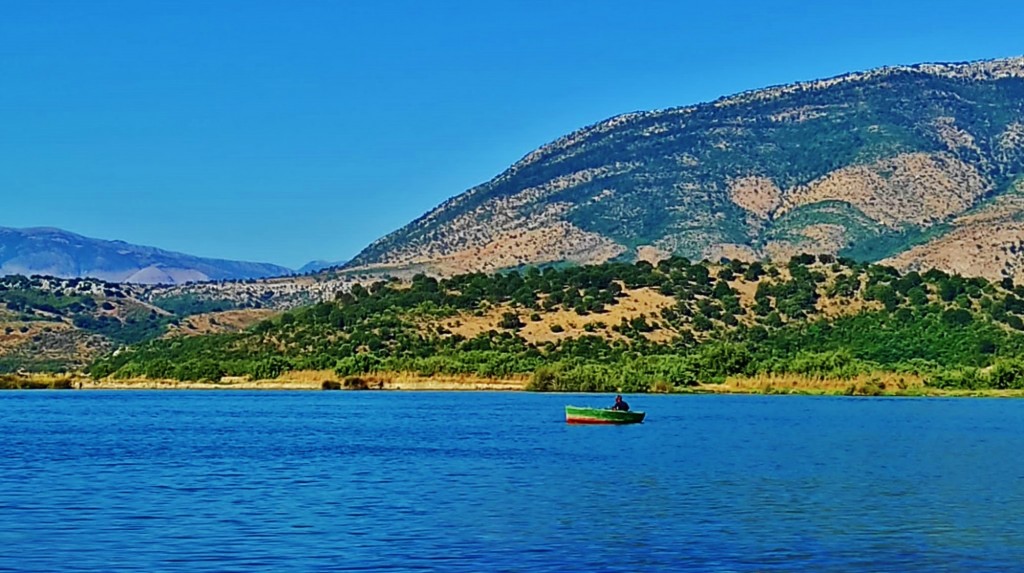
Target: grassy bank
{"points": [[869, 384], [41, 382], [319, 380]]}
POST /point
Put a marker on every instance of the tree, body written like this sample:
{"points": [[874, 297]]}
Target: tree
{"points": [[948, 290], [698, 274], [270, 368], [721, 290], [884, 294], [510, 321], [957, 317], [917, 296], [802, 259], [754, 271], [358, 364]]}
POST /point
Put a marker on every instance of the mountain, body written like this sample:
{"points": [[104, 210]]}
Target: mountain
{"points": [[920, 166], [53, 252], [316, 266]]}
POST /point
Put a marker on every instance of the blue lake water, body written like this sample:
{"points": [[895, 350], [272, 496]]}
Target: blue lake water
{"points": [[379, 481]]}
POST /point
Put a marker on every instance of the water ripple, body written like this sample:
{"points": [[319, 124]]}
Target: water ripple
{"points": [[194, 481]]}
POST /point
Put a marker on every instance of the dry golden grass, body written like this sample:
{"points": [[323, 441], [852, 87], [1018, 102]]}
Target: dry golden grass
{"points": [[308, 376], [215, 322], [731, 251], [916, 188], [990, 250], [556, 241], [865, 384], [758, 195], [745, 290], [225, 384], [412, 381], [315, 379], [39, 381], [57, 342], [651, 254], [636, 302], [507, 230], [645, 302], [17, 338], [876, 384], [986, 242], [834, 307]]}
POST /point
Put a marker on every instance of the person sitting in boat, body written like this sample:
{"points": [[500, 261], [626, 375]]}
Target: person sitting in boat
{"points": [[620, 404]]}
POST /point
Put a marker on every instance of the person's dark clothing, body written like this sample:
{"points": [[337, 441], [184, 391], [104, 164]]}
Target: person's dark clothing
{"points": [[620, 404]]}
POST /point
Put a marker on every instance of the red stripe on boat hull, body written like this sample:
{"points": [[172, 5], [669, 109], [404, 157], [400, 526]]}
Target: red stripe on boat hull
{"points": [[594, 422]]}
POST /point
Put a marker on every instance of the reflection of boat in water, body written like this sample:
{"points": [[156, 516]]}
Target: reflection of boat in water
{"points": [[577, 415]]}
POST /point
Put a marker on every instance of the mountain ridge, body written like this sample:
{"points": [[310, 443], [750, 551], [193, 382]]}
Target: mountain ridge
{"points": [[906, 148], [59, 253], [319, 265]]}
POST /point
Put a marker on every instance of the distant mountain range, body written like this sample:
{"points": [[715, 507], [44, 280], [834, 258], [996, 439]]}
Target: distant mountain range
{"points": [[316, 266], [53, 252], [920, 166]]}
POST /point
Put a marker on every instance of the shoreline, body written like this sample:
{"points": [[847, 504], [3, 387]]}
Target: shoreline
{"points": [[863, 386], [306, 381]]}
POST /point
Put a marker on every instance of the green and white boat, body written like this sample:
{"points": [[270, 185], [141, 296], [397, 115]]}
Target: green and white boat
{"points": [[578, 415]]}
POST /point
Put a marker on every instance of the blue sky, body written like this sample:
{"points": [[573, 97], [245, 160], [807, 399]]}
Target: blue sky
{"points": [[289, 131]]}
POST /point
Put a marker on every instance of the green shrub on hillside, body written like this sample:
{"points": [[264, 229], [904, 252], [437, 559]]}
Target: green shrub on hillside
{"points": [[914, 322]]}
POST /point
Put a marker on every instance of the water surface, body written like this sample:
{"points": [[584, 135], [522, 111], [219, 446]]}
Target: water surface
{"points": [[380, 481]]}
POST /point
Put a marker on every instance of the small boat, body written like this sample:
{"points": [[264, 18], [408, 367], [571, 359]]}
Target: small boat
{"points": [[577, 415]]}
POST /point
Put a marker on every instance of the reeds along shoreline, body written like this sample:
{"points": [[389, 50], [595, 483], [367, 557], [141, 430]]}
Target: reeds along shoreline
{"points": [[302, 380], [875, 384], [39, 382]]}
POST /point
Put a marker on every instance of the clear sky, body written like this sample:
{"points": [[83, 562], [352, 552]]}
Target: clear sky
{"points": [[288, 131]]}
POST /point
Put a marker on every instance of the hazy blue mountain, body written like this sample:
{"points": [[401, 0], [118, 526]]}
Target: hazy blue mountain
{"points": [[314, 266], [54, 252]]}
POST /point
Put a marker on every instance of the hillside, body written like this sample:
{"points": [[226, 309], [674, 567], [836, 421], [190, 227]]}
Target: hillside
{"points": [[919, 166], [58, 253], [628, 326], [52, 324]]}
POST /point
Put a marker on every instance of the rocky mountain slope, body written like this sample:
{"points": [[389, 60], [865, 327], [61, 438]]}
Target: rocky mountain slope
{"points": [[53, 252], [917, 165]]}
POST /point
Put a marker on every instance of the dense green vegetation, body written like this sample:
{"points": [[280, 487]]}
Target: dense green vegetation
{"points": [[190, 304], [956, 331]]}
